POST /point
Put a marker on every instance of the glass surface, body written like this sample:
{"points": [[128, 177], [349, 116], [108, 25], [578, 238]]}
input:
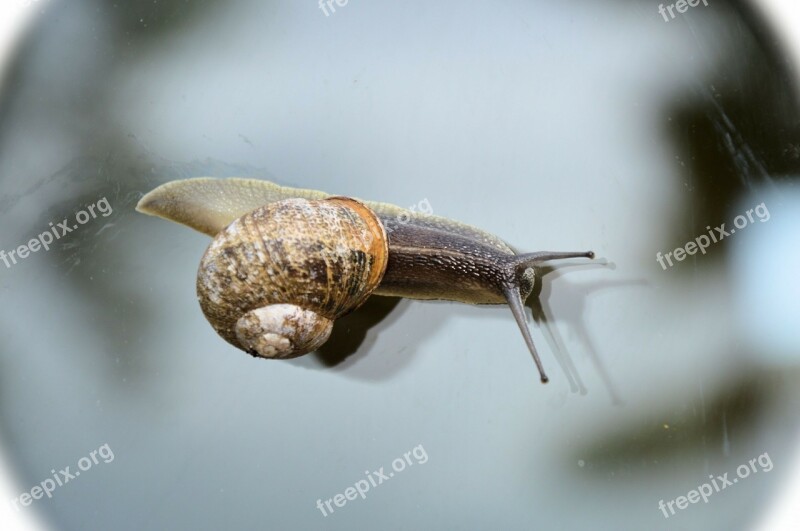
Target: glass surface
{"points": [[554, 125]]}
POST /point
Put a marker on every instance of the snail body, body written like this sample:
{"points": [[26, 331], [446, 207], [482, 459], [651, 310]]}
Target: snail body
{"points": [[285, 263]]}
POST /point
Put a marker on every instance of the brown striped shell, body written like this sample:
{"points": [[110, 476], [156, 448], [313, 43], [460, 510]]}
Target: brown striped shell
{"points": [[274, 280]]}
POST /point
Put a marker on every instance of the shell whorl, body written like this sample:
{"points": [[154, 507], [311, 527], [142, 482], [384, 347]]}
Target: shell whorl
{"points": [[273, 281]]}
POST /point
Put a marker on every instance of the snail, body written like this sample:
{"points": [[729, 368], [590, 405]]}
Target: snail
{"points": [[285, 263]]}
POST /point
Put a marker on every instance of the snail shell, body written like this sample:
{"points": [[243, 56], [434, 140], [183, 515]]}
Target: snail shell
{"points": [[274, 280]]}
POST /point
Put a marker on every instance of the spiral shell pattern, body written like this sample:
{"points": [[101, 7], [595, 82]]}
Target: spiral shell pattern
{"points": [[322, 256]]}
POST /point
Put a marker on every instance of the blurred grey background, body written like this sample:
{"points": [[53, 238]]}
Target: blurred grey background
{"points": [[555, 125]]}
